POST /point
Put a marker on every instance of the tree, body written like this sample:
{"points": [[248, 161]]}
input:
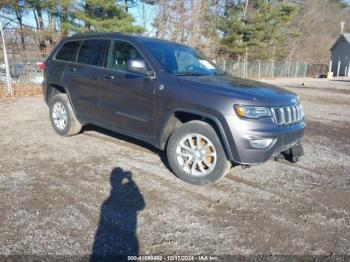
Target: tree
{"points": [[18, 9], [190, 22], [102, 16], [56, 18], [318, 26], [39, 8], [256, 25]]}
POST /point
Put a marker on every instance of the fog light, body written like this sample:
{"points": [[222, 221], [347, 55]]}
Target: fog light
{"points": [[261, 143]]}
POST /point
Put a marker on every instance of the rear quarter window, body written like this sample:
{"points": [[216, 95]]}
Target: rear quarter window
{"points": [[68, 51], [91, 52]]}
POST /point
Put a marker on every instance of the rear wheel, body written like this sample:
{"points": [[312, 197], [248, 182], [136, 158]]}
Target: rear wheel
{"points": [[195, 154], [62, 116]]}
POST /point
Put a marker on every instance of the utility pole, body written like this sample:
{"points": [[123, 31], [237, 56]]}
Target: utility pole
{"points": [[246, 63], [7, 69], [245, 36]]}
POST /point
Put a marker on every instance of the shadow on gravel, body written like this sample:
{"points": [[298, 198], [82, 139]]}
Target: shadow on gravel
{"points": [[116, 232]]}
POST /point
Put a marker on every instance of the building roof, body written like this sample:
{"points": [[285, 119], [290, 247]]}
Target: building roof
{"points": [[345, 36]]}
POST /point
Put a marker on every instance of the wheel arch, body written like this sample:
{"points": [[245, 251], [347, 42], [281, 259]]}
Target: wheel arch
{"points": [[176, 117], [54, 89]]}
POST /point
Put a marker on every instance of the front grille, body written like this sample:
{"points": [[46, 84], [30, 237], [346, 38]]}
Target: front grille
{"points": [[287, 115]]}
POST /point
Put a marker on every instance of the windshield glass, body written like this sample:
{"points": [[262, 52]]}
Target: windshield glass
{"points": [[181, 60]]}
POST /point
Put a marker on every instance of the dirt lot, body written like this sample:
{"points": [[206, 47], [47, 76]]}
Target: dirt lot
{"points": [[21, 89], [56, 192]]}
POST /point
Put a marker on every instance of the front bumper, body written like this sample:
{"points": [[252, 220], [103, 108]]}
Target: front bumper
{"points": [[244, 130]]}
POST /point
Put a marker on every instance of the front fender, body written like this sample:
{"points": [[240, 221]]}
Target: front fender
{"points": [[219, 121]]}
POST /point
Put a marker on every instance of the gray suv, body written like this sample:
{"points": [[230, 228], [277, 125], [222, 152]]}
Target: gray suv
{"points": [[173, 98]]}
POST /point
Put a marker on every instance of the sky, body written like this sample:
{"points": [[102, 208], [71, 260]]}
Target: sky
{"points": [[150, 12]]}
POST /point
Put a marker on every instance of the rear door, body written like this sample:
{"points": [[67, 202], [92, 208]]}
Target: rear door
{"points": [[82, 77], [55, 67], [126, 99]]}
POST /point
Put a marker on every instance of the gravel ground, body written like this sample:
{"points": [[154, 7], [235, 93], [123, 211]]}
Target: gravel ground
{"points": [[100, 192]]}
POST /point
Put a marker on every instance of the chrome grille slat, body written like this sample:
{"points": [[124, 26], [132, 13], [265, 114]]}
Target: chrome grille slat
{"points": [[287, 115], [274, 115], [294, 114], [298, 112], [283, 118]]}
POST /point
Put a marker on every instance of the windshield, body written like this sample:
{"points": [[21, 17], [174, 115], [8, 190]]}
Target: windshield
{"points": [[181, 60]]}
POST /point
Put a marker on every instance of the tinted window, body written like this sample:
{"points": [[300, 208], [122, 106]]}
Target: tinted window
{"points": [[68, 51], [119, 53], [91, 52]]}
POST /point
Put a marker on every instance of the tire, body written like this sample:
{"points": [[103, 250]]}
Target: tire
{"points": [[198, 167], [62, 116]]}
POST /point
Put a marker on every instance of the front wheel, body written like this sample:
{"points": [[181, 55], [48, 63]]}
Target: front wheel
{"points": [[195, 154]]}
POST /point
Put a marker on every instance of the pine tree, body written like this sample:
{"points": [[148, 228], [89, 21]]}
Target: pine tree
{"points": [[102, 16], [256, 25]]}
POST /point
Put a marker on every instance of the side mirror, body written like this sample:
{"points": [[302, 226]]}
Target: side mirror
{"points": [[138, 66]]}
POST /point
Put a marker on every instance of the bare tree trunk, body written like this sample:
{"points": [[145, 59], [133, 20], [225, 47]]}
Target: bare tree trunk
{"points": [[195, 23], [182, 21], [40, 17], [36, 20], [245, 8], [21, 33], [64, 20], [161, 20], [40, 25], [50, 26]]}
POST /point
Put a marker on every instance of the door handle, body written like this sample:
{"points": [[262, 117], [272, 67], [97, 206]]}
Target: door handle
{"points": [[73, 69], [109, 77]]}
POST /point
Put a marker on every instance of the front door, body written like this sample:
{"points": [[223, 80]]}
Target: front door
{"points": [[126, 99]]}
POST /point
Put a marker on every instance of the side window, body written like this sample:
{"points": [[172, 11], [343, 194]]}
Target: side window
{"points": [[91, 52], [119, 53], [68, 51]]}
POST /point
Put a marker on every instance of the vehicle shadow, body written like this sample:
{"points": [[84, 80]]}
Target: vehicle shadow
{"points": [[116, 232], [160, 153]]}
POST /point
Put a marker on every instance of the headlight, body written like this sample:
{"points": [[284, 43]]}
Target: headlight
{"points": [[252, 111]]}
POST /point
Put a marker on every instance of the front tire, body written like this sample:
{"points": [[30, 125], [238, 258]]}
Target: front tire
{"points": [[62, 116], [196, 155]]}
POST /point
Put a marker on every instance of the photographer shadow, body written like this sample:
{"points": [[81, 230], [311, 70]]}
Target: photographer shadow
{"points": [[116, 232]]}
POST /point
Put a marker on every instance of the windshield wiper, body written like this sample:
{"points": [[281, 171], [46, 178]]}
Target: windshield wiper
{"points": [[220, 73], [189, 74]]}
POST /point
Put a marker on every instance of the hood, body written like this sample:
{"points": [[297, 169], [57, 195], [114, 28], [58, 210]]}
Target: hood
{"points": [[257, 92]]}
